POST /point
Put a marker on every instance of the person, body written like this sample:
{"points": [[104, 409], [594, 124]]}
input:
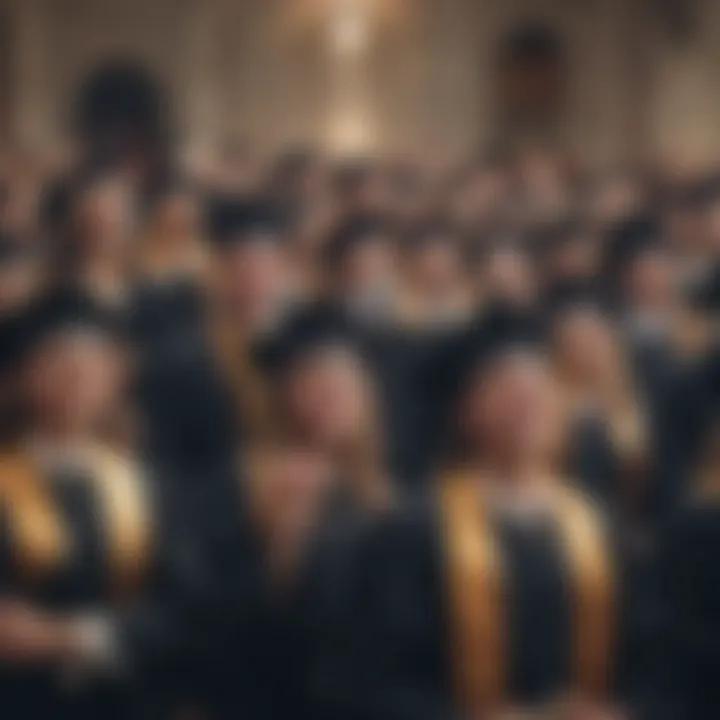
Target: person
{"points": [[690, 589], [326, 392], [434, 288], [508, 278], [168, 270], [569, 256], [21, 279], [21, 273], [668, 343], [100, 242], [610, 439], [432, 307], [359, 264], [304, 493], [202, 393], [171, 252], [502, 594], [91, 560]]}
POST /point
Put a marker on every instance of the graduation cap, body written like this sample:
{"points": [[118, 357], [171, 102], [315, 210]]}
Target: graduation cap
{"points": [[65, 311], [575, 294], [630, 239], [500, 331], [233, 221], [309, 330]]}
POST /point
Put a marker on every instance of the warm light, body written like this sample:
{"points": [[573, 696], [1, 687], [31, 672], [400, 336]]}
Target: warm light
{"points": [[349, 134], [349, 27]]}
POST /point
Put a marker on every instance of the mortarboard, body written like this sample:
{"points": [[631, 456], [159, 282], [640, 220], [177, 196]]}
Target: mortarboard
{"points": [[62, 312], [501, 330], [306, 331], [233, 221], [629, 239]]}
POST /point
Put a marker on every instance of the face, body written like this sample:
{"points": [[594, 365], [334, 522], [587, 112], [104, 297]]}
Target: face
{"points": [[104, 217], [328, 396], [292, 481], [18, 283], [509, 276], [251, 278], [436, 265], [619, 197], [513, 412], [177, 216], [586, 347], [74, 380], [579, 258]]}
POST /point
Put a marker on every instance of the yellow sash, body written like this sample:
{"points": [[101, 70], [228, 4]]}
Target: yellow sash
{"points": [[128, 522], [589, 559], [478, 622], [41, 537], [475, 595]]}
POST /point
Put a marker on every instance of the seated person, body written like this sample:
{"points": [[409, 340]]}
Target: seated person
{"points": [[691, 584], [90, 598], [503, 596], [283, 544]]}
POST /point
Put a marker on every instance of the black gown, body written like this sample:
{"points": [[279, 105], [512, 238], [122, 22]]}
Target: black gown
{"points": [[279, 650], [405, 659], [189, 417], [125, 561], [691, 583], [413, 370]]}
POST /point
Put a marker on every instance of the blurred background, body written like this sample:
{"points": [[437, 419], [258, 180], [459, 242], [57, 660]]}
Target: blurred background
{"points": [[628, 79], [504, 215]]}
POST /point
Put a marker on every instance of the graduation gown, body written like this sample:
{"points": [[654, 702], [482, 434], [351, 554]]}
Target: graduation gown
{"points": [[189, 412], [415, 365], [691, 593], [95, 542], [467, 611], [279, 650]]}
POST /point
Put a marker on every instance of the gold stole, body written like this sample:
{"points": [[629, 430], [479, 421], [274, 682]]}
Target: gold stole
{"points": [[43, 542], [478, 625]]}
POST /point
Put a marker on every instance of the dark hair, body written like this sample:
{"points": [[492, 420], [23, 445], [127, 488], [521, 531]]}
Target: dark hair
{"points": [[120, 108], [532, 42], [352, 233], [119, 94]]}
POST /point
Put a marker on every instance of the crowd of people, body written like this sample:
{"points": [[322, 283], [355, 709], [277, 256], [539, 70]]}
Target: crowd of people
{"points": [[380, 438]]}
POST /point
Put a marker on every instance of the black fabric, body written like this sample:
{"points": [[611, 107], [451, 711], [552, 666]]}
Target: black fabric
{"points": [[190, 422], [66, 310], [691, 588], [233, 220], [406, 667], [277, 650], [153, 631]]}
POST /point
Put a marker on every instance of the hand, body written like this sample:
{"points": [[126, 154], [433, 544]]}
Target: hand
{"points": [[29, 635]]}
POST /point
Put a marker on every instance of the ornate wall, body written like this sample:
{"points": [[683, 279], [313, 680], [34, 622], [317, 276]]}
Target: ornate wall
{"points": [[409, 74]]}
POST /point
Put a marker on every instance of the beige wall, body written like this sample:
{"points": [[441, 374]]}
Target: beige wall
{"points": [[245, 68]]}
